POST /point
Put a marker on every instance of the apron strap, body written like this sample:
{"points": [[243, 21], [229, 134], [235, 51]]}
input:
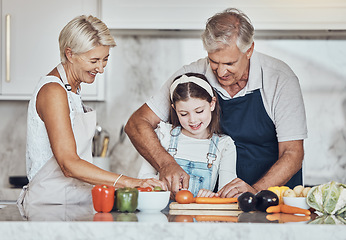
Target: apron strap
{"points": [[211, 156], [172, 149], [22, 194], [68, 87], [62, 73]]}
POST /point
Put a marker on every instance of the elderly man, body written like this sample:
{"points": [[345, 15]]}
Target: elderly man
{"points": [[261, 104]]}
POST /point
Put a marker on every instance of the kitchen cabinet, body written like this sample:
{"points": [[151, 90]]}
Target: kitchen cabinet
{"points": [[29, 44], [192, 14]]}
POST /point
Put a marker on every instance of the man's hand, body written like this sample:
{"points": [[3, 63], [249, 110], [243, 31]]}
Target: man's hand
{"points": [[175, 177], [140, 129], [234, 188], [290, 161]]}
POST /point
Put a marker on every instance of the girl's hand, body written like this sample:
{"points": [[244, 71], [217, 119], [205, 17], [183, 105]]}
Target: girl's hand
{"points": [[206, 193]]}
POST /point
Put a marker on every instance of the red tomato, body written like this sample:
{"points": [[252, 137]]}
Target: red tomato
{"points": [[146, 189], [183, 218], [184, 197]]}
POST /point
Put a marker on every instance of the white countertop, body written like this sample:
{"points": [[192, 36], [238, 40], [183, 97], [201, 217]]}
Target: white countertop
{"points": [[148, 230], [81, 222]]}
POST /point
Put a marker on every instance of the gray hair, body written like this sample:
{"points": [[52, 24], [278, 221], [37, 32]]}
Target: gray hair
{"points": [[226, 27], [82, 34]]}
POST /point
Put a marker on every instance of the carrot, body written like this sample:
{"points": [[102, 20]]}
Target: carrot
{"points": [[293, 218], [212, 218], [274, 209], [283, 217], [294, 210], [273, 217], [215, 200], [283, 208]]}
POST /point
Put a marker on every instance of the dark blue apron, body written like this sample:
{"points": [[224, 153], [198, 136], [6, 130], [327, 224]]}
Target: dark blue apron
{"points": [[246, 121]]}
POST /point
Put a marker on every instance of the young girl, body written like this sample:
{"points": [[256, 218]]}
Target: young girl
{"points": [[193, 136]]}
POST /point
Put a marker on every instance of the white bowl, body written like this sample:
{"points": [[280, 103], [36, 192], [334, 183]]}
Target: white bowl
{"points": [[153, 201], [157, 217], [296, 202]]}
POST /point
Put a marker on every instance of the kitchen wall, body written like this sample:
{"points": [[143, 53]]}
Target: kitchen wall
{"points": [[140, 64]]}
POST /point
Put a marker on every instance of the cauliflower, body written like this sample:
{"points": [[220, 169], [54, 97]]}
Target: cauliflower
{"points": [[329, 198]]}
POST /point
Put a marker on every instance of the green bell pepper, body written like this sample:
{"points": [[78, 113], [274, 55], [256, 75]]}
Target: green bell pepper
{"points": [[127, 199]]}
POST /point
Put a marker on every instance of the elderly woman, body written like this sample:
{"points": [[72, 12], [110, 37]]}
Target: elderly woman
{"points": [[61, 127]]}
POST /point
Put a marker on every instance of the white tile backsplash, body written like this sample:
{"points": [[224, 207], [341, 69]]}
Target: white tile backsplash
{"points": [[139, 65]]}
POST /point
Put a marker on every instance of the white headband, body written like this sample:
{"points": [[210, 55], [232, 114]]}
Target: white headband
{"points": [[196, 80]]}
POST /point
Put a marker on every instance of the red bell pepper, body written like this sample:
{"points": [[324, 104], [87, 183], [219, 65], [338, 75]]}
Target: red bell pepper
{"points": [[103, 198], [104, 217]]}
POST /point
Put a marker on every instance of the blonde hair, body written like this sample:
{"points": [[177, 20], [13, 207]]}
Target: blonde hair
{"points": [[227, 27], [82, 34]]}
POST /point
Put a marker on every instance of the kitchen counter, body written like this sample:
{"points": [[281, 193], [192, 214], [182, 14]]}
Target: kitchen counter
{"points": [[82, 222], [9, 194]]}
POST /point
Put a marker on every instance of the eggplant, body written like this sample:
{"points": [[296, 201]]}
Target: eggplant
{"points": [[265, 199], [254, 217], [247, 202]]}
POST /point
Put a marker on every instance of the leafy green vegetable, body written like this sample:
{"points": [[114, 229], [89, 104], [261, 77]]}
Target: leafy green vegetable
{"points": [[329, 198], [329, 219], [314, 198], [341, 204]]}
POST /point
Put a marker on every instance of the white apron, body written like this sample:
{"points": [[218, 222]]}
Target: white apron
{"points": [[49, 185]]}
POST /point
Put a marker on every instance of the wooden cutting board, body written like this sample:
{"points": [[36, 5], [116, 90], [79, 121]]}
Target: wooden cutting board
{"points": [[197, 212], [199, 206], [230, 209]]}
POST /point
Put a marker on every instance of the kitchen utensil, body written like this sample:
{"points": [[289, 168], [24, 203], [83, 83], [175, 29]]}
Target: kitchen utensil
{"points": [[153, 201], [230, 209], [157, 217], [104, 147], [102, 162], [121, 139], [209, 212], [18, 181], [196, 206], [96, 141], [296, 202]]}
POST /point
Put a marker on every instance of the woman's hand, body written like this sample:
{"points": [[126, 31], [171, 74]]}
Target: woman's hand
{"points": [[235, 188], [151, 182], [206, 193]]}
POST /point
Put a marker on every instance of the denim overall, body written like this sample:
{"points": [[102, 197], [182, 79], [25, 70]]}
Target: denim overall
{"points": [[200, 172], [246, 121]]}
